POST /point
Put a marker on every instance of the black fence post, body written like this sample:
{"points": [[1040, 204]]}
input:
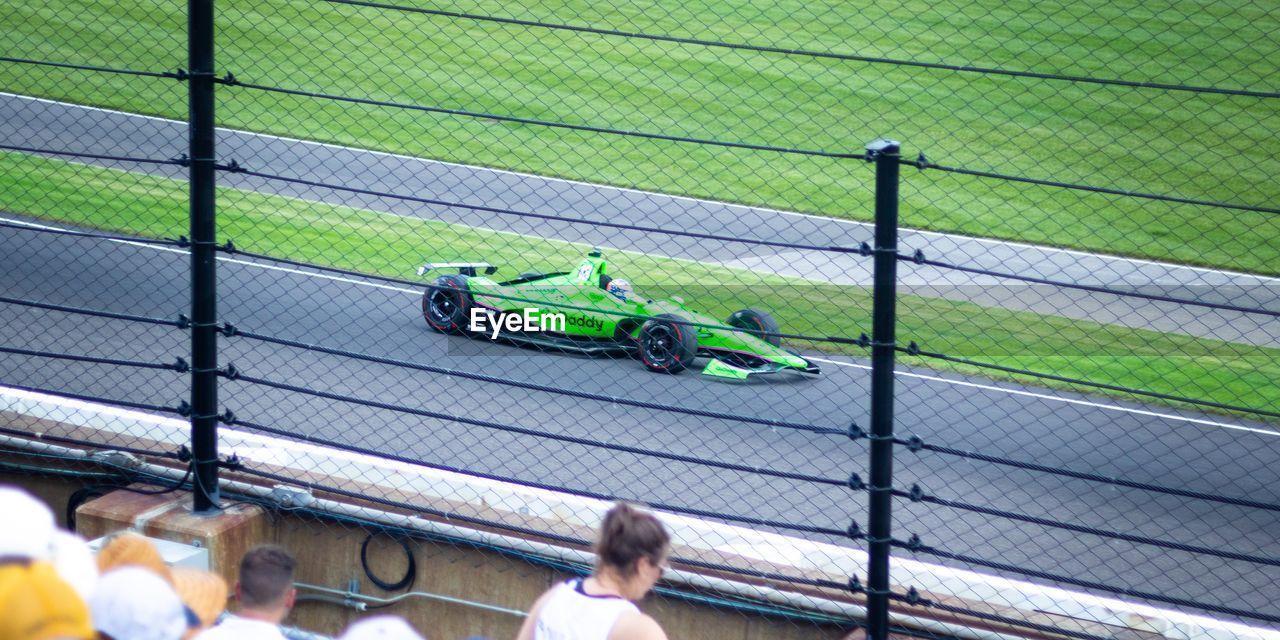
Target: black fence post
{"points": [[204, 302], [885, 153]]}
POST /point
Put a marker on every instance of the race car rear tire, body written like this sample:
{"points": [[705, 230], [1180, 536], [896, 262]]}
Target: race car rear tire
{"points": [[446, 304], [759, 323], [666, 344]]}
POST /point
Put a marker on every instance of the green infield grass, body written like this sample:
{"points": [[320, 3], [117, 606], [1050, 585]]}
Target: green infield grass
{"points": [[384, 244], [1213, 147]]}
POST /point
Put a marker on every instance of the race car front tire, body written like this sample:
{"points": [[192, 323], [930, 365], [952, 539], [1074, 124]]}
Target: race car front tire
{"points": [[759, 323], [667, 345], [446, 304]]}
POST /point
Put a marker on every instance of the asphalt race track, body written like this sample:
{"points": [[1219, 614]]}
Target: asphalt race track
{"points": [[52, 125], [1141, 443]]}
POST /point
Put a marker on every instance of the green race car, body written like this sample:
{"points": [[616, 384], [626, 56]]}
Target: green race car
{"points": [[586, 310]]}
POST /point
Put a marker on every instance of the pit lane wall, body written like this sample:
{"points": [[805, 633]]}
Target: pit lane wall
{"points": [[469, 585]]}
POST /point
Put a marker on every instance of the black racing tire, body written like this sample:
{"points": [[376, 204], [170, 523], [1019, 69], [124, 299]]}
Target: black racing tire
{"points": [[759, 323], [447, 303], [666, 344]]}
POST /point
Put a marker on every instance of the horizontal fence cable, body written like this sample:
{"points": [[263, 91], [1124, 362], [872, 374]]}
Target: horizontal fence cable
{"points": [[586, 442], [91, 312], [916, 443], [860, 341], [88, 398], [532, 484], [546, 216], [87, 234], [1087, 383], [547, 123], [915, 496], [1087, 584], [482, 377], [177, 162], [831, 55], [919, 259], [922, 164], [89, 67], [180, 366], [1026, 624]]}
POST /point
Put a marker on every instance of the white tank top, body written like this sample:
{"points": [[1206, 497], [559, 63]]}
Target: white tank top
{"points": [[571, 614]]}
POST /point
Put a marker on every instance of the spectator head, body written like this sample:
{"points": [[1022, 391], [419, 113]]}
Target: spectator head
{"points": [[133, 603], [266, 580], [632, 541], [37, 604], [128, 549], [28, 526], [380, 628]]}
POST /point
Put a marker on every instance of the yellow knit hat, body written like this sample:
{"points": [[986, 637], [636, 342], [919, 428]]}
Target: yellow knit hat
{"points": [[36, 604]]}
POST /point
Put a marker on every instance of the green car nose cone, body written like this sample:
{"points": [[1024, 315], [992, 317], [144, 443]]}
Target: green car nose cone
{"points": [[722, 369]]}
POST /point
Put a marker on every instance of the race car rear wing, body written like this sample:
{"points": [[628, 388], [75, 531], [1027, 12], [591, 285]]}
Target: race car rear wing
{"points": [[464, 268]]}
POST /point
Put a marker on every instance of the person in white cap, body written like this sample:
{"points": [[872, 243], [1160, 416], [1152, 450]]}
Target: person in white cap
{"points": [[28, 526], [380, 628], [133, 603], [30, 533]]}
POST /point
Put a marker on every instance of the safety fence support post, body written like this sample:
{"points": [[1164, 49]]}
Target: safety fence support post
{"points": [[885, 154], [204, 310]]}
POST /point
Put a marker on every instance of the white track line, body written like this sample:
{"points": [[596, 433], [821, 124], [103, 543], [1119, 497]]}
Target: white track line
{"points": [[1030, 394], [863, 225], [835, 362]]}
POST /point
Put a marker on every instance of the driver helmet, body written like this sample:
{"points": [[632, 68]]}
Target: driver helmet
{"points": [[621, 289]]}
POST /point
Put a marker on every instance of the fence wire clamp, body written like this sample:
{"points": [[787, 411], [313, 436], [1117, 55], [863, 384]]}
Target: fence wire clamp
{"points": [[913, 596], [184, 409], [228, 418], [863, 340], [184, 453], [183, 321], [181, 75], [914, 543], [921, 162], [856, 483], [230, 372], [918, 256], [227, 247], [864, 249], [916, 494], [182, 160], [233, 167], [182, 242], [854, 531], [232, 462], [229, 79], [856, 432], [913, 349], [228, 330], [855, 585], [914, 444], [181, 366]]}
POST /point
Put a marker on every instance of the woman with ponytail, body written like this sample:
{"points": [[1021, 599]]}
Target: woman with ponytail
{"points": [[631, 554]]}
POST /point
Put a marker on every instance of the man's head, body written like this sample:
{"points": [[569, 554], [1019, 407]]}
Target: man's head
{"points": [[266, 587]]}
